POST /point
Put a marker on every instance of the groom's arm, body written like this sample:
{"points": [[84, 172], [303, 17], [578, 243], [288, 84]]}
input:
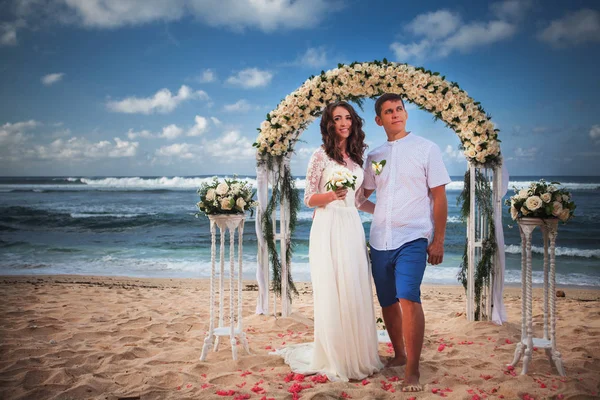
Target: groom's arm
{"points": [[435, 250], [366, 205]]}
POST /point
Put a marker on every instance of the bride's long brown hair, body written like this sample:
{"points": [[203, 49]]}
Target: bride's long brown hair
{"points": [[355, 144]]}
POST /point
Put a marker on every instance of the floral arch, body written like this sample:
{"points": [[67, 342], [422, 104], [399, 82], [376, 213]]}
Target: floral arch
{"points": [[429, 91]]}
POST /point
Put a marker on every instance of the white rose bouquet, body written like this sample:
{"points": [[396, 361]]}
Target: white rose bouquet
{"points": [[542, 200], [341, 178], [229, 196]]}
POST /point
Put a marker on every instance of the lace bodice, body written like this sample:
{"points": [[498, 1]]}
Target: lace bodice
{"points": [[320, 167]]}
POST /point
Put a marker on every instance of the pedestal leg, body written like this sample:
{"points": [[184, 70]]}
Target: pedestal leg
{"points": [[208, 341], [243, 338], [221, 284], [232, 338], [555, 354], [546, 298], [519, 350], [529, 298]]}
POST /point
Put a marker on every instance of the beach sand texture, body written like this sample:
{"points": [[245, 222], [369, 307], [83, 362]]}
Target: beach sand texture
{"points": [[81, 337]]}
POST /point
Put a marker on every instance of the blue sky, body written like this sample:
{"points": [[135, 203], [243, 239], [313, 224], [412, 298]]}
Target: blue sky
{"points": [[170, 88]]}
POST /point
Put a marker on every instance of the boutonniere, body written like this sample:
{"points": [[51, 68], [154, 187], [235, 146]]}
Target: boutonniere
{"points": [[377, 166]]}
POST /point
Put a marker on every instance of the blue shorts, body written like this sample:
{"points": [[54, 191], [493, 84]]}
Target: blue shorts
{"points": [[398, 273]]}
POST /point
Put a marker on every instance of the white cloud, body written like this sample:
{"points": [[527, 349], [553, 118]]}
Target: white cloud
{"points": [[314, 57], [476, 35], [575, 28], [238, 106], [435, 25], [180, 150], [526, 153], [131, 134], [163, 101], [8, 34], [265, 15], [78, 149], [115, 13], [200, 127], [230, 147], [417, 51], [511, 9], [9, 128], [13, 138], [441, 33], [454, 154], [305, 152], [595, 133], [215, 121], [251, 78], [171, 132], [51, 79], [207, 76]]}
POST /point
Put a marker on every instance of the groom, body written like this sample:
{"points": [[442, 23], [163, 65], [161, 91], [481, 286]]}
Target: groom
{"points": [[408, 228]]}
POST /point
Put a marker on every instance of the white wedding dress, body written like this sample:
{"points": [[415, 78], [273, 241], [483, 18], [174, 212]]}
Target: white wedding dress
{"points": [[345, 337]]}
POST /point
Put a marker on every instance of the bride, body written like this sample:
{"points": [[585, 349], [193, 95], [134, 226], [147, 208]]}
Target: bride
{"points": [[345, 337]]}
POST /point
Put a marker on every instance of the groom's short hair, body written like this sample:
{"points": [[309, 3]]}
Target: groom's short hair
{"points": [[386, 97]]}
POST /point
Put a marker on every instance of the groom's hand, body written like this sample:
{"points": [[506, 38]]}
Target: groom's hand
{"points": [[435, 253]]}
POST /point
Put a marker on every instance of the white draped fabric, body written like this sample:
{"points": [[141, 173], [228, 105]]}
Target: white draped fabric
{"points": [[499, 310]]}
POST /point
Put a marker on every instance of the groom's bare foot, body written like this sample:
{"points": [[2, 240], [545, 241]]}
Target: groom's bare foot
{"points": [[396, 362], [411, 384]]}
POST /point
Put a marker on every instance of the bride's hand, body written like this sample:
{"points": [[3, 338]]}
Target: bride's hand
{"points": [[339, 194]]}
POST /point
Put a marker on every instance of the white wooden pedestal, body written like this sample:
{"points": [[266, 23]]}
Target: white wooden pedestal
{"points": [[549, 228], [224, 223]]}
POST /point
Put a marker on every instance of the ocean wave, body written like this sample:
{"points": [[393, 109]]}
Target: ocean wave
{"points": [[560, 251], [19, 217], [154, 183], [187, 183], [107, 215]]}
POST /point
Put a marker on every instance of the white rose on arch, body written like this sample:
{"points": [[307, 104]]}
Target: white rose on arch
{"points": [[380, 76]]}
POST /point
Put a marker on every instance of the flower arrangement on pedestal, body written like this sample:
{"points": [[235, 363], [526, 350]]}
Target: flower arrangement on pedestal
{"points": [[542, 200], [228, 196]]}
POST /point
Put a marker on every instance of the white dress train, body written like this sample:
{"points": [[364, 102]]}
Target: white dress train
{"points": [[345, 337]]}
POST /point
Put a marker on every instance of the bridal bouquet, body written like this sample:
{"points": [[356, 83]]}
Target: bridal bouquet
{"points": [[542, 200], [341, 177], [230, 196]]}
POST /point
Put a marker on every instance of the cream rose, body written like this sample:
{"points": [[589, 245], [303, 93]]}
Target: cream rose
{"points": [[533, 203], [513, 212], [222, 188], [523, 193], [557, 208], [226, 203], [546, 197], [564, 214], [240, 203], [210, 194]]}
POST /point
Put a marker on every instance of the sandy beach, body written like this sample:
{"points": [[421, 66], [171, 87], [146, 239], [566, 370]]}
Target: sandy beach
{"points": [[82, 337]]}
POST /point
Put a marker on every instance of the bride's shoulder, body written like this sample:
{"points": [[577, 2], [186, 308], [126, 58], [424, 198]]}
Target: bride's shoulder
{"points": [[319, 153]]}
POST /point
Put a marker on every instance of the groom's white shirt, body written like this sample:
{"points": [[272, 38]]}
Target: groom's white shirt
{"points": [[403, 209]]}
